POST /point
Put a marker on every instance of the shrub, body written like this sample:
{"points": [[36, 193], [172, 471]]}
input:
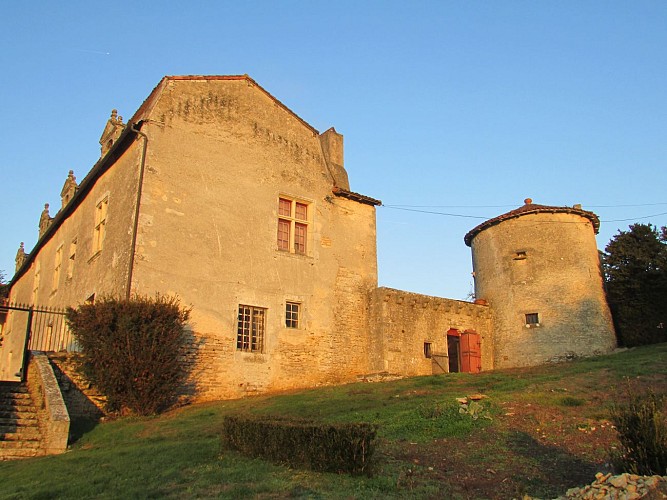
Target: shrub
{"points": [[131, 350], [301, 443], [642, 432]]}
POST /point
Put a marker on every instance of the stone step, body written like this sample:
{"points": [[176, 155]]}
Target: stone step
{"points": [[28, 403], [13, 391], [12, 444], [8, 399], [11, 386], [18, 421], [20, 435], [10, 433], [19, 406], [18, 412], [16, 453]]}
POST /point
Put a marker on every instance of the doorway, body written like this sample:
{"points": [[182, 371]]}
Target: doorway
{"points": [[454, 350], [465, 351]]}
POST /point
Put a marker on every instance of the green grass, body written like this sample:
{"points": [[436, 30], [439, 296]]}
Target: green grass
{"points": [[180, 454]]}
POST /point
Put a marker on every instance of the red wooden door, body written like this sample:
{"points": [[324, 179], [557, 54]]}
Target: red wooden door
{"points": [[471, 352]]}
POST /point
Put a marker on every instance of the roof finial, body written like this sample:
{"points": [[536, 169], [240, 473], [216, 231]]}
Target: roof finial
{"points": [[528, 201], [21, 256]]}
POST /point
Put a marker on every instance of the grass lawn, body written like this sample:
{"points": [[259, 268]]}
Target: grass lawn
{"points": [[548, 431]]}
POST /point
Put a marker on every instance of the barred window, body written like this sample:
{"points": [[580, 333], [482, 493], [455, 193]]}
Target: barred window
{"points": [[292, 225], [250, 333], [532, 319], [292, 310]]}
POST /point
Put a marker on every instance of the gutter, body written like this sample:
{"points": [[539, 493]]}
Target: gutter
{"points": [[135, 228]]}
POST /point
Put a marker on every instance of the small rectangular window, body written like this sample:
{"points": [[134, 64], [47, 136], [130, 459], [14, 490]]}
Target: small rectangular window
{"points": [[57, 266], [292, 310], [532, 319], [427, 349], [100, 224], [35, 282], [250, 331], [72, 258]]}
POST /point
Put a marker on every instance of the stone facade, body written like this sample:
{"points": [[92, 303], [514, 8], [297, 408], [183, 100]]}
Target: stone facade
{"points": [[189, 199], [218, 193]]}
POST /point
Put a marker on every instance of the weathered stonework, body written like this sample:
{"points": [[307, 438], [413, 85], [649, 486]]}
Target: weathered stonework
{"points": [[402, 322], [54, 419], [201, 195], [542, 261], [81, 398]]}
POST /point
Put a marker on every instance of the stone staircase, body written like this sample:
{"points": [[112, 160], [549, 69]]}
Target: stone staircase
{"points": [[20, 434]]}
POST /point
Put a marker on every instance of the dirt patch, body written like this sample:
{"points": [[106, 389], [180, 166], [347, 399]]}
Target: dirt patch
{"points": [[536, 449]]}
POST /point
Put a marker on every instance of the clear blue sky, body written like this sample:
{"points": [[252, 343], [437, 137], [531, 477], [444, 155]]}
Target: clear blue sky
{"points": [[461, 107]]}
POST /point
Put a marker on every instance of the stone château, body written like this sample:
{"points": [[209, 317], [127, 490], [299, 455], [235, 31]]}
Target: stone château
{"points": [[216, 192]]}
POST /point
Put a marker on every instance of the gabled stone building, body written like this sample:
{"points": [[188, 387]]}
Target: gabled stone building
{"points": [[216, 192]]}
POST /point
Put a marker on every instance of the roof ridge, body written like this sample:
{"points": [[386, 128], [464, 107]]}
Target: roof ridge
{"points": [[153, 96]]}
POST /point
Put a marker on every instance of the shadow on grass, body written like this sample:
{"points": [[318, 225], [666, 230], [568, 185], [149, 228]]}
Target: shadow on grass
{"points": [[79, 427], [561, 469]]}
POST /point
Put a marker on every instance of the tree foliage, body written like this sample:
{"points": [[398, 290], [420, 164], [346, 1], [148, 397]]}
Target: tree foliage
{"points": [[635, 265], [4, 287], [132, 350]]}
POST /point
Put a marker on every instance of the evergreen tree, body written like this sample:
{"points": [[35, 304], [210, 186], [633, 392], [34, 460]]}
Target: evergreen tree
{"points": [[635, 265]]}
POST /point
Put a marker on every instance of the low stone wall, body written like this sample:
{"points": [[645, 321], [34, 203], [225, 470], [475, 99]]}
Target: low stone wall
{"points": [[402, 322], [83, 401], [54, 419]]}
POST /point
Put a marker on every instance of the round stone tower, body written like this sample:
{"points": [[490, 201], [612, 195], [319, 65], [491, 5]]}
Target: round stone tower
{"points": [[538, 268]]}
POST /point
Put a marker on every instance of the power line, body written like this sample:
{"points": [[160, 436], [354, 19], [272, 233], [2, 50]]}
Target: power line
{"points": [[635, 218], [406, 209], [394, 207], [514, 205]]}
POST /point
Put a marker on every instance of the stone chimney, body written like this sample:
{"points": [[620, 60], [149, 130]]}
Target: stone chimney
{"points": [[332, 148], [69, 188], [112, 131]]}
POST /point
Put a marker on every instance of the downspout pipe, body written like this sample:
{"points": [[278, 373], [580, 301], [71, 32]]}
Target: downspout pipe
{"points": [[142, 168]]}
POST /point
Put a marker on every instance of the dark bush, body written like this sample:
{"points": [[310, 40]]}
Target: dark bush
{"points": [[642, 431], [298, 443], [131, 350]]}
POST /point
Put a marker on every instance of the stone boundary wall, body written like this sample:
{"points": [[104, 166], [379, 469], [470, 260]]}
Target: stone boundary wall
{"points": [[402, 322], [54, 420]]}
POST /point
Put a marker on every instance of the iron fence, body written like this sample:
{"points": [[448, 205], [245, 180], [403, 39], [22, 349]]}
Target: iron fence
{"points": [[45, 327]]}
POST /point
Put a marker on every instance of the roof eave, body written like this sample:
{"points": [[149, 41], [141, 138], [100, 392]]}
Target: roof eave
{"points": [[102, 165], [595, 221], [350, 195]]}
